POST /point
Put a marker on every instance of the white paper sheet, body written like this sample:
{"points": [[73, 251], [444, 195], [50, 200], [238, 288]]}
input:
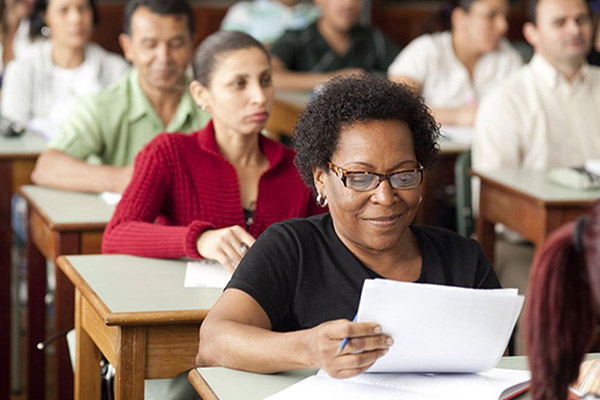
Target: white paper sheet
{"points": [[440, 328], [485, 386], [206, 273], [111, 198]]}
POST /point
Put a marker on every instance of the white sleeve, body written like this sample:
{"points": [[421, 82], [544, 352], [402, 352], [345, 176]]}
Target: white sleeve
{"points": [[17, 92], [497, 132], [412, 61]]}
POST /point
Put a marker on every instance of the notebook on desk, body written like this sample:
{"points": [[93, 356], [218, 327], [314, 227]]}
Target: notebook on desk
{"points": [[447, 341], [497, 384]]}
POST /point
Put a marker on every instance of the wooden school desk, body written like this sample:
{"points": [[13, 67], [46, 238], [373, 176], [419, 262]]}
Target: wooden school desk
{"points": [[17, 158], [286, 109], [137, 313], [215, 383], [527, 202], [60, 222]]}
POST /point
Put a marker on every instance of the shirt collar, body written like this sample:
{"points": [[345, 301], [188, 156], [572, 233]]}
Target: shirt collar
{"points": [[141, 107], [271, 149], [552, 76]]}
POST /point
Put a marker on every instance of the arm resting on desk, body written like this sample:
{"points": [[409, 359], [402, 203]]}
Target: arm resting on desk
{"points": [[237, 334], [284, 78], [57, 169]]}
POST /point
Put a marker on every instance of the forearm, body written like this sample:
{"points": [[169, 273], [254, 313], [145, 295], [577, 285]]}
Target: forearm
{"points": [[250, 348], [59, 170]]}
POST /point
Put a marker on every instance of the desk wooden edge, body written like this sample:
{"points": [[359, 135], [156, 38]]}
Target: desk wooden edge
{"points": [[61, 227], [80, 284], [515, 192], [126, 319], [201, 386]]}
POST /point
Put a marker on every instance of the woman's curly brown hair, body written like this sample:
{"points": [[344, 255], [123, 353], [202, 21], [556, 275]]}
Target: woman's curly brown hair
{"points": [[344, 101]]}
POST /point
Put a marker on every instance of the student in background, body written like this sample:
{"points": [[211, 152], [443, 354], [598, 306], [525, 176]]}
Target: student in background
{"points": [[267, 20], [335, 45], [362, 144], [547, 114], [215, 190], [42, 85], [454, 69], [113, 125], [563, 303], [14, 29]]}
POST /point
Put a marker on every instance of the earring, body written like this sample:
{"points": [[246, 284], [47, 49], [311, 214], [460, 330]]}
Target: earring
{"points": [[322, 200], [204, 108], [45, 31], [420, 199]]}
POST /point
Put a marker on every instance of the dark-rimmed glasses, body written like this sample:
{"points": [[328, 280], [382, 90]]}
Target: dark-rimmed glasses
{"points": [[363, 181]]}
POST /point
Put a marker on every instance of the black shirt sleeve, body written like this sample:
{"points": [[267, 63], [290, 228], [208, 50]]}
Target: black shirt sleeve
{"points": [[286, 48], [268, 273]]}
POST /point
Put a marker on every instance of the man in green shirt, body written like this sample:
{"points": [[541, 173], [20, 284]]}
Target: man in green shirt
{"points": [[113, 125]]}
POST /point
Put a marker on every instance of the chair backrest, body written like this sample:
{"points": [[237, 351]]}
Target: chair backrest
{"points": [[462, 181]]}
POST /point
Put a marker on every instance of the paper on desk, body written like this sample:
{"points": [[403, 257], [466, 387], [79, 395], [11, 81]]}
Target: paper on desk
{"points": [[206, 273], [456, 133], [440, 328], [112, 198]]}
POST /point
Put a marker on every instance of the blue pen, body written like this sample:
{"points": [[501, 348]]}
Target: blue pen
{"points": [[345, 340]]}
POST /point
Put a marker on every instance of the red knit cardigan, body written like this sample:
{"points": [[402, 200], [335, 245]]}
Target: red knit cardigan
{"points": [[182, 186]]}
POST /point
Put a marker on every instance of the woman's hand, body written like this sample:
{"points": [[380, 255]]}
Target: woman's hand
{"points": [[226, 245], [366, 343]]}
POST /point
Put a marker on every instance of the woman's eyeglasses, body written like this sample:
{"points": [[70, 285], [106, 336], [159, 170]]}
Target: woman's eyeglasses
{"points": [[363, 181]]}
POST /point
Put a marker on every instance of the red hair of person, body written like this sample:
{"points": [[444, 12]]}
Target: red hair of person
{"points": [[562, 306]]}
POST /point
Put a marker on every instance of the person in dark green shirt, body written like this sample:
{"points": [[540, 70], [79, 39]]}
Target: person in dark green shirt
{"points": [[335, 45]]}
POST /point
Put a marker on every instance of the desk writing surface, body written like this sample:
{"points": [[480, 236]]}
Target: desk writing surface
{"points": [[538, 185], [129, 284], [250, 386], [67, 208], [28, 144], [295, 97]]}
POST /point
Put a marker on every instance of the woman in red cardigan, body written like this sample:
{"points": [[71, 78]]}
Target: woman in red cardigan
{"points": [[211, 193]]}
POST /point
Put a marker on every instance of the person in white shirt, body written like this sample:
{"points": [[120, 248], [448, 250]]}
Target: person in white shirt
{"points": [[548, 113], [454, 69], [41, 86]]}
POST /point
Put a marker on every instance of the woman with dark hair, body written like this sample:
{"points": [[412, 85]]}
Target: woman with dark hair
{"points": [[216, 190], [41, 86], [562, 306], [454, 69], [362, 145]]}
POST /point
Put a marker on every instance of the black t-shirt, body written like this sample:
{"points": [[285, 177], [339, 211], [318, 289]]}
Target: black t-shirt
{"points": [[307, 50], [301, 274]]}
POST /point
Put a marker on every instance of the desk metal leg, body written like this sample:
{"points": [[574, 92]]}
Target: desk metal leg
{"points": [[131, 364], [5, 276], [36, 318], [87, 369]]}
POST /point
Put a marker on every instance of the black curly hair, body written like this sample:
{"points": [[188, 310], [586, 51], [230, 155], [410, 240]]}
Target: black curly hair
{"points": [[344, 101]]}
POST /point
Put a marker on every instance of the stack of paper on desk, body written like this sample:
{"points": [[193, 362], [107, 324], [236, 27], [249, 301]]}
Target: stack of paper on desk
{"points": [[445, 339], [440, 328], [497, 384]]}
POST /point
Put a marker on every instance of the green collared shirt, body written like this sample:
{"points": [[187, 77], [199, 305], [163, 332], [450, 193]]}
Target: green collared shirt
{"points": [[114, 124]]}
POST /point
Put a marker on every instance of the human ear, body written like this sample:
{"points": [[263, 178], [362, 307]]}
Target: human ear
{"points": [[125, 43], [530, 33], [200, 94], [319, 176]]}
